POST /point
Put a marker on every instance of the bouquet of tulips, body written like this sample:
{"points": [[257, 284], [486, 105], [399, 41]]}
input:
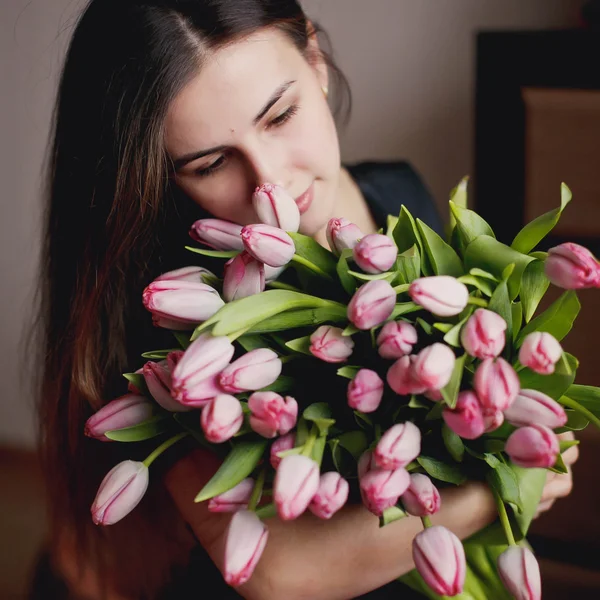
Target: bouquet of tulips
{"points": [[379, 371]]}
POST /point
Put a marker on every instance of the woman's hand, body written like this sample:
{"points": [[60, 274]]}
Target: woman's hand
{"points": [[558, 485]]}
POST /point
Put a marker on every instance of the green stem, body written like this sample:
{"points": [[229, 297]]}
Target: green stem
{"points": [[477, 301], [569, 402], [279, 285], [309, 265], [310, 442], [257, 490], [426, 522], [504, 518], [403, 287], [167, 444], [266, 512], [377, 432]]}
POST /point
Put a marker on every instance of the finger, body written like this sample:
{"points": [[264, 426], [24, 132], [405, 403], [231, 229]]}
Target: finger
{"points": [[566, 436], [543, 507], [559, 487], [570, 455]]}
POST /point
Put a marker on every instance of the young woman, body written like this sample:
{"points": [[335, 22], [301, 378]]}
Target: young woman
{"points": [[169, 111]]}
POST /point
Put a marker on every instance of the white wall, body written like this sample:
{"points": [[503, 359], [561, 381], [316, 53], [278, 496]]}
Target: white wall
{"points": [[410, 64]]}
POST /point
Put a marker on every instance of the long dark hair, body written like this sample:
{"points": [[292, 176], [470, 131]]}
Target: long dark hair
{"points": [[112, 224]]}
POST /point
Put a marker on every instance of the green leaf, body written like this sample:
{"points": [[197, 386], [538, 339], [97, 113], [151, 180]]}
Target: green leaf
{"points": [[304, 317], [442, 256], [348, 371], [578, 406], [557, 319], [312, 251], [391, 514], [343, 271], [489, 254], [443, 327], [535, 231], [301, 344], [554, 385], [469, 226], [530, 483], [388, 276], [213, 253], [575, 421], [450, 391], [587, 396], [252, 342], [240, 462], [440, 470], [425, 326], [534, 284], [159, 354], [483, 274], [355, 442], [559, 466], [320, 414], [517, 319], [403, 308], [282, 384], [452, 336], [453, 443], [503, 479], [391, 223], [408, 264], [483, 285], [142, 431], [406, 235], [138, 380], [350, 330], [417, 402]]}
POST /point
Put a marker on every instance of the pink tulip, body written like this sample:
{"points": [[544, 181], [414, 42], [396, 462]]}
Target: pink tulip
{"points": [[272, 273], [221, 418], [366, 463], [372, 304], [572, 267], [520, 573], [434, 365], [421, 498], [275, 207], [396, 339], [342, 234], [157, 376], [232, 500], [243, 276], [441, 295], [252, 371], [483, 334], [331, 495], [271, 415], [532, 406], [217, 234], [375, 253], [267, 244], [496, 384], [327, 343], [193, 379], [245, 541], [492, 419], [402, 379], [192, 273], [532, 446], [540, 352], [433, 395], [380, 488], [439, 557], [466, 419], [183, 303], [126, 411], [296, 482], [365, 391], [281, 444], [134, 389], [120, 492], [398, 446]]}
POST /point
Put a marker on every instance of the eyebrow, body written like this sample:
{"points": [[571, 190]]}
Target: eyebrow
{"points": [[180, 162]]}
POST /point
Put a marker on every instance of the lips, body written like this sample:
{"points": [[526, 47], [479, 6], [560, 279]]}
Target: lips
{"points": [[305, 199]]}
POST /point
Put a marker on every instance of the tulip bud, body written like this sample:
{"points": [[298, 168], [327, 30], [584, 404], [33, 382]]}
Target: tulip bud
{"points": [[134, 389], [439, 557], [496, 384], [192, 273], [245, 540], [434, 365], [402, 379], [120, 492], [221, 418], [217, 234], [275, 207], [272, 273], [183, 303], [540, 352], [466, 418], [421, 498], [271, 414], [492, 419], [232, 500], [380, 488], [441, 295], [342, 234], [331, 495], [126, 411], [296, 482], [375, 253], [365, 391], [572, 267], [157, 376], [520, 573], [396, 339], [269, 245], [281, 444], [252, 371], [242, 276], [398, 446], [483, 334], [532, 446], [371, 304], [366, 463], [532, 406], [205, 358], [328, 344]]}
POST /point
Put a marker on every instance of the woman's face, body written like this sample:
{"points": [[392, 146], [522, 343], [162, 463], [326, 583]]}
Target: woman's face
{"points": [[256, 113]]}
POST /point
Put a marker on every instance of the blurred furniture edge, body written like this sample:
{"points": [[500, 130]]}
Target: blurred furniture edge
{"points": [[537, 124]]}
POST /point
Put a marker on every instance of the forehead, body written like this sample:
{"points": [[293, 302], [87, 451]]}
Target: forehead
{"points": [[229, 90]]}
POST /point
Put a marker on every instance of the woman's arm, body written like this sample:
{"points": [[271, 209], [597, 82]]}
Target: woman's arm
{"points": [[338, 559]]}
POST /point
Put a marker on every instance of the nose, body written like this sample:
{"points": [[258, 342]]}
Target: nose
{"points": [[267, 165]]}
